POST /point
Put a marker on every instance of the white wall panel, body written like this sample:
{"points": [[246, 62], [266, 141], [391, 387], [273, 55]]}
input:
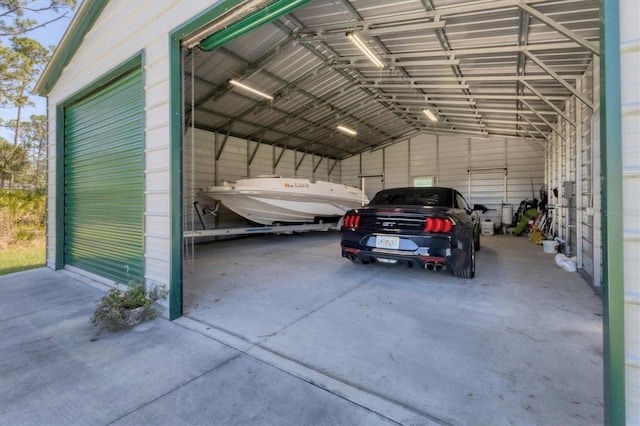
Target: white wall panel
{"points": [[334, 171], [586, 205], [453, 163], [396, 165], [373, 172], [351, 171], [320, 166], [525, 172], [286, 164], [198, 172], [630, 100], [304, 165], [488, 171], [232, 164], [120, 33], [475, 167], [262, 163], [423, 152]]}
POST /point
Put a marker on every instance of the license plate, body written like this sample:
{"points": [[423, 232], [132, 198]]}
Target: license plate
{"points": [[387, 242]]}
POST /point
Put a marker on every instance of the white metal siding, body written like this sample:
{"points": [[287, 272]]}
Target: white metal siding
{"points": [[351, 171], [423, 153], [232, 164], [303, 164], [373, 172], [396, 170], [262, 163], [453, 163], [286, 164], [120, 33], [630, 63], [525, 172], [200, 169], [447, 159], [573, 157], [488, 171], [587, 198]]}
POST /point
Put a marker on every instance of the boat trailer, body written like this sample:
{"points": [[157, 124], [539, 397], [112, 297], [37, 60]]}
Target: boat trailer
{"points": [[262, 229]]}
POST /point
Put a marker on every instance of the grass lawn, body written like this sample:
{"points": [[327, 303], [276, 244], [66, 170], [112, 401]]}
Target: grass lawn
{"points": [[14, 259]]}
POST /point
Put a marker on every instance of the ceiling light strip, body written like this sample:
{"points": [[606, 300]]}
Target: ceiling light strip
{"points": [[250, 89], [430, 115], [364, 49], [347, 130]]}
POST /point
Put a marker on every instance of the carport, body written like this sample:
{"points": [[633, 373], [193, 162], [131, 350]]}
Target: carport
{"points": [[483, 97], [498, 99], [495, 99]]}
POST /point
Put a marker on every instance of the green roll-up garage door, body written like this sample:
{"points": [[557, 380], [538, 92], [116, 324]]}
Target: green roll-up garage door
{"points": [[104, 181]]}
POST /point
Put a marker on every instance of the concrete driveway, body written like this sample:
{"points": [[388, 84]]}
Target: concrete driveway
{"points": [[519, 344], [278, 330]]}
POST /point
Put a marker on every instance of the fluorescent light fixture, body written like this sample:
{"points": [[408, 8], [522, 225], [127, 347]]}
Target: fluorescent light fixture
{"points": [[430, 115], [250, 89], [347, 130], [368, 53]]}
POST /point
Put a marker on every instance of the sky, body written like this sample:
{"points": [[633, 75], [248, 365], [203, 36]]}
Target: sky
{"points": [[47, 36]]}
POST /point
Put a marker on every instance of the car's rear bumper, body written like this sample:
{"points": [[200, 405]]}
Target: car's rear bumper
{"points": [[429, 252]]}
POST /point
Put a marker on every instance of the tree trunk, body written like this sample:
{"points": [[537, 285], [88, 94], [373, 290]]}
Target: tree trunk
{"points": [[16, 136]]}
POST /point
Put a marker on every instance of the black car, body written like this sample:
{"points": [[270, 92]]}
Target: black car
{"points": [[433, 228]]}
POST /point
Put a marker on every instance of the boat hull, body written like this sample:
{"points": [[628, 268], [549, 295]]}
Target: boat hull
{"points": [[269, 201]]}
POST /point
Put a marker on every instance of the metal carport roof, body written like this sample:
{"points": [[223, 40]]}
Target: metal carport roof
{"points": [[503, 68]]}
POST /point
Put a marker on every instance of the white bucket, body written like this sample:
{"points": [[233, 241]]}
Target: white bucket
{"points": [[550, 246], [486, 227], [507, 215]]}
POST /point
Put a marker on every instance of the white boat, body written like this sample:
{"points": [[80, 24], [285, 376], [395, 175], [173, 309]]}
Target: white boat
{"points": [[272, 200]]}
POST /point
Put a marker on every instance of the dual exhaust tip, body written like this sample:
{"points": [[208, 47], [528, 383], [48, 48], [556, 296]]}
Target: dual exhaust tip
{"points": [[429, 266], [435, 266]]}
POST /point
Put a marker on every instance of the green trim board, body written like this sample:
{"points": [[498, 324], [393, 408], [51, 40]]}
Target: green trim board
{"points": [[59, 193], [175, 186], [82, 22], [176, 131], [240, 28], [260, 17], [612, 207]]}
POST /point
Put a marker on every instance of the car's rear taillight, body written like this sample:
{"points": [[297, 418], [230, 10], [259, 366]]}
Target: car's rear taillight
{"points": [[438, 225], [351, 220]]}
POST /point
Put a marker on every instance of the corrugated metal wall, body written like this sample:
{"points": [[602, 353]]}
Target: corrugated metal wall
{"points": [[453, 164], [493, 172], [423, 158], [588, 196], [238, 158], [630, 63], [573, 168], [127, 28], [490, 172], [104, 181], [396, 161]]}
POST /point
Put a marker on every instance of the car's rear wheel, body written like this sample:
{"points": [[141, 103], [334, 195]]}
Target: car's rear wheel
{"points": [[469, 269], [476, 241]]}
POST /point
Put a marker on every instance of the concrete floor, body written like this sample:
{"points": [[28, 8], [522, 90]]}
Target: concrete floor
{"points": [[519, 344]]}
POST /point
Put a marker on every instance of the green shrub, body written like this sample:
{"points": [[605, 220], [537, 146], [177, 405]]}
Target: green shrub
{"points": [[114, 310], [22, 217]]}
